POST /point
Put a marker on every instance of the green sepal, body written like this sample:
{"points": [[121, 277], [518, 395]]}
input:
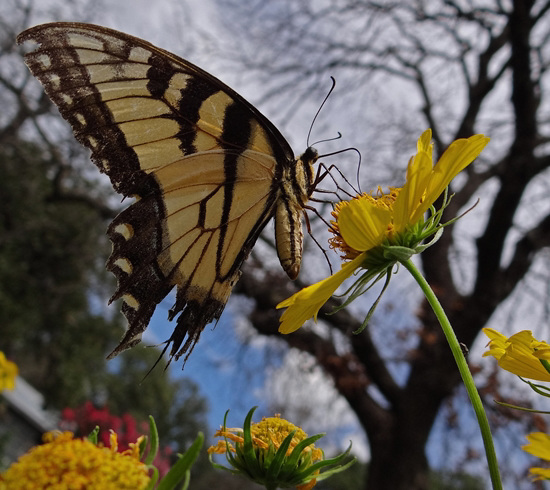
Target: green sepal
{"points": [[239, 464], [545, 364], [366, 281], [250, 458], [309, 474], [376, 302], [398, 253], [298, 459], [523, 409], [274, 469], [274, 466], [539, 389], [297, 451]]}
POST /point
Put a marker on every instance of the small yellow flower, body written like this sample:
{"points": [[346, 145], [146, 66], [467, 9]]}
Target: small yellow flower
{"points": [[539, 446], [367, 222], [270, 431], [275, 453], [8, 373], [67, 463], [520, 354]]}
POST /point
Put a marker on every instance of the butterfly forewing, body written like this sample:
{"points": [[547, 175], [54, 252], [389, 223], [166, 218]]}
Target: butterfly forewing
{"points": [[203, 164]]}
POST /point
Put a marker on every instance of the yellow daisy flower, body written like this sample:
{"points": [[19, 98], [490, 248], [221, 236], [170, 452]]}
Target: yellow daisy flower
{"points": [[539, 446], [275, 453], [8, 373], [65, 462], [520, 354], [364, 225]]}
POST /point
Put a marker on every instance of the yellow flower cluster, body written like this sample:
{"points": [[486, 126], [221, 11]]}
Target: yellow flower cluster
{"points": [[8, 373], [74, 464]]}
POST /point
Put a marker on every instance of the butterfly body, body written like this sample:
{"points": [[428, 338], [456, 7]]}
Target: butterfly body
{"points": [[206, 168]]}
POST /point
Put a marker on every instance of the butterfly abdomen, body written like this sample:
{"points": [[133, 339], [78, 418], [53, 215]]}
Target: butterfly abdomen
{"points": [[296, 187]]}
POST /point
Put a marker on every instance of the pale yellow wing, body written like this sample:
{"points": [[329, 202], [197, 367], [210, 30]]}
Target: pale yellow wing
{"points": [[204, 166]]}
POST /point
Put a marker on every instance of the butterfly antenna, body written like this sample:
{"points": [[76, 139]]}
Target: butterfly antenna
{"points": [[332, 139], [358, 171], [317, 113], [328, 139]]}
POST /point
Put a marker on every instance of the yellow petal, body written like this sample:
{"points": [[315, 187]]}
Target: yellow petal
{"points": [[362, 224], [495, 337], [542, 350], [539, 445], [520, 358], [496, 352], [307, 302], [540, 473], [524, 367], [456, 158], [113, 441], [424, 143], [412, 194]]}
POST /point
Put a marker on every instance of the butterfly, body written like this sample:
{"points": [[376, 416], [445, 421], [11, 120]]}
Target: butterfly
{"points": [[206, 169]]}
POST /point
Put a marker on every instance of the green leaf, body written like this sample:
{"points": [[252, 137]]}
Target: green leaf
{"points": [[154, 438], [92, 437], [154, 478], [180, 471]]}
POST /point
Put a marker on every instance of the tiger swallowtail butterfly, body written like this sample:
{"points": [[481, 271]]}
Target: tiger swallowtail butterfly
{"points": [[206, 168]]}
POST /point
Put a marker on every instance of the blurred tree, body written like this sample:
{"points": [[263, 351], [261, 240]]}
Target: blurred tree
{"points": [[169, 401], [53, 282], [459, 69], [50, 253]]}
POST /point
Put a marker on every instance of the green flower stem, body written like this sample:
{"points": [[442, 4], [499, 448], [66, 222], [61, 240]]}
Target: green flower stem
{"points": [[464, 372]]}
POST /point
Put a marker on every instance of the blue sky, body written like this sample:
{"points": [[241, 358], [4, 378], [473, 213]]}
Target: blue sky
{"points": [[214, 366]]}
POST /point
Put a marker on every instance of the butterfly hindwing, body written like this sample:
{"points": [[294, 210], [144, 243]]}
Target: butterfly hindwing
{"points": [[202, 163]]}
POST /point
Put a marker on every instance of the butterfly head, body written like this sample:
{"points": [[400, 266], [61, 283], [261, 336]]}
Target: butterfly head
{"points": [[305, 164]]}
